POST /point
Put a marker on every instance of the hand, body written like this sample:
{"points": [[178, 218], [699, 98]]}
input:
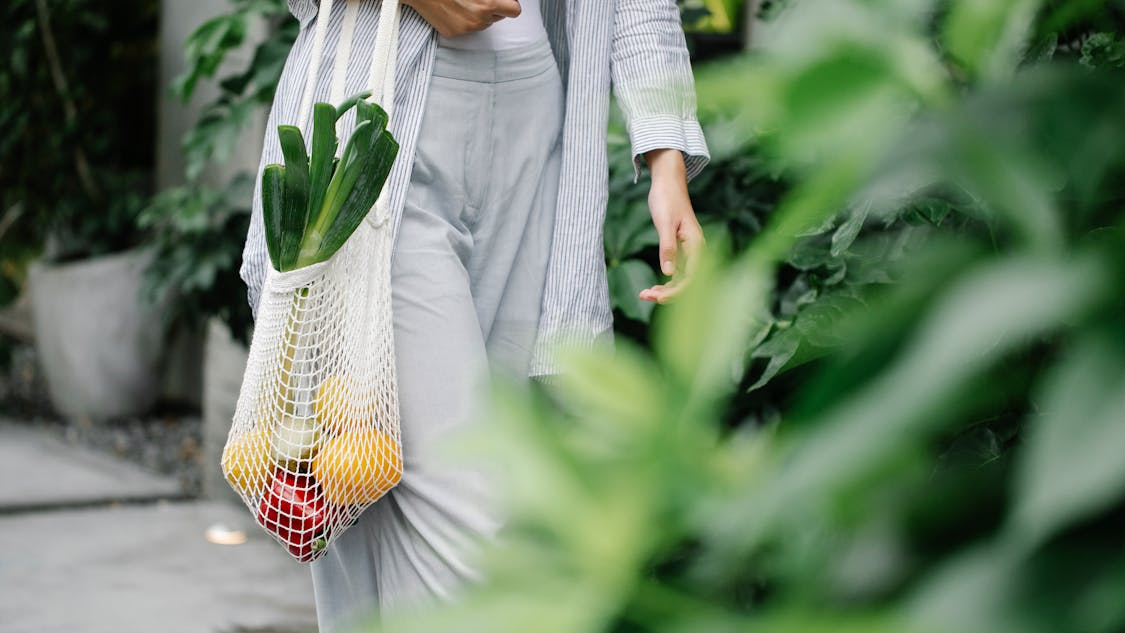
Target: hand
{"points": [[681, 237], [458, 17]]}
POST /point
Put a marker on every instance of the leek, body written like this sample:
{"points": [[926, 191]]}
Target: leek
{"points": [[313, 203]]}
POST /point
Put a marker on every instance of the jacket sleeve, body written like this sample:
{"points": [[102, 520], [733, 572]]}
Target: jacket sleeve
{"points": [[653, 81], [255, 254]]}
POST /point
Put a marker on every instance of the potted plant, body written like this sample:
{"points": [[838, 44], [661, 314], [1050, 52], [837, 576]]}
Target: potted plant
{"points": [[77, 159]]}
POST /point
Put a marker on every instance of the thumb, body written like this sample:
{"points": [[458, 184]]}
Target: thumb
{"points": [[668, 247], [507, 8]]}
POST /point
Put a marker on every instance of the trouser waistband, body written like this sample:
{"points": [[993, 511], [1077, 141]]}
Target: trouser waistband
{"points": [[494, 66]]}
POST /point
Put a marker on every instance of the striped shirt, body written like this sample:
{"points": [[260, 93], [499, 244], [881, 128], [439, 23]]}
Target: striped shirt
{"points": [[635, 46]]}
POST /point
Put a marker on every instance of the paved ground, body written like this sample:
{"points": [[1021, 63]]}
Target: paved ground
{"points": [[38, 470], [75, 561]]}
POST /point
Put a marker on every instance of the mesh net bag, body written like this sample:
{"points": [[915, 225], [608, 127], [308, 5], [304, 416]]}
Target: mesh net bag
{"points": [[315, 437]]}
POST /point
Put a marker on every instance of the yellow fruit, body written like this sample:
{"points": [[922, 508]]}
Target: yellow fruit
{"points": [[336, 404], [246, 462], [357, 467]]}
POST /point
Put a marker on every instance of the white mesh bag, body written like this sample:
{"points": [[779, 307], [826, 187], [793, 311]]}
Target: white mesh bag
{"points": [[315, 437]]}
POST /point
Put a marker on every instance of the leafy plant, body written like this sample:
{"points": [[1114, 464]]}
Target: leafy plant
{"points": [[1104, 49], [951, 460], [196, 256], [199, 230], [241, 94], [711, 15], [76, 150]]}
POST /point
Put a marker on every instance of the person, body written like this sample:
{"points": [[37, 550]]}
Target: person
{"points": [[498, 200]]}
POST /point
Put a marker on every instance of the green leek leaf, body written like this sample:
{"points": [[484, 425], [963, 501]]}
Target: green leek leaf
{"points": [[324, 143], [295, 201], [375, 169], [273, 194], [350, 103], [313, 204]]}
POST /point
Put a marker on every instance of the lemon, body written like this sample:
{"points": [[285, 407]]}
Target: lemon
{"points": [[246, 462]]}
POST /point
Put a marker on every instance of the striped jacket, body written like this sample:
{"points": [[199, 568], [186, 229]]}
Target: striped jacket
{"points": [[637, 46]]}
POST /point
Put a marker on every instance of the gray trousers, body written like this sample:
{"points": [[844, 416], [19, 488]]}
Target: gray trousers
{"points": [[467, 280]]}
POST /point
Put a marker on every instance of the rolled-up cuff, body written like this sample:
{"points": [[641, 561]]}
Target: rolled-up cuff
{"points": [[669, 132]]}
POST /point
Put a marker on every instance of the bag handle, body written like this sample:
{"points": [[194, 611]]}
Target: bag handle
{"points": [[384, 60], [381, 79]]}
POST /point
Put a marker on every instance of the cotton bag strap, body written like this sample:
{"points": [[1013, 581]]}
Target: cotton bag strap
{"points": [[381, 79]]}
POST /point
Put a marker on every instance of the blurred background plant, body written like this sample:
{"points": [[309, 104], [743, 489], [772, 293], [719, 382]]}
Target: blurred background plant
{"points": [[75, 155], [894, 398], [199, 229]]}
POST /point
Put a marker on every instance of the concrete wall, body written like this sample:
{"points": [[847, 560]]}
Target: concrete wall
{"points": [[178, 20]]}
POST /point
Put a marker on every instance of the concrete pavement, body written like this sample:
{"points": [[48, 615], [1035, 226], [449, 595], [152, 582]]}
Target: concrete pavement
{"points": [[37, 470], [76, 560]]}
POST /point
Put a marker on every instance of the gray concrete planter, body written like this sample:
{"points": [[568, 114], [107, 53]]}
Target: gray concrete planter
{"points": [[99, 343]]}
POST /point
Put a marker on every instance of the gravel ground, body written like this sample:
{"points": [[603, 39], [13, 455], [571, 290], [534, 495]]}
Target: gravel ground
{"points": [[168, 440], [169, 444]]}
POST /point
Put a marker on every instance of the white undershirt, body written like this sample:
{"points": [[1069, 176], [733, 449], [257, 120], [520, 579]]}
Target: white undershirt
{"points": [[507, 33]]}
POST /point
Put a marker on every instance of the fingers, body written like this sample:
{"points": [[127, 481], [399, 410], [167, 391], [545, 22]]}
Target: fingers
{"points": [[687, 241], [691, 235], [668, 247], [662, 293]]}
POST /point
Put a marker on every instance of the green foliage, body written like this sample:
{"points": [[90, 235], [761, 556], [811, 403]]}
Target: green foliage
{"points": [[195, 254], [711, 15], [242, 93], [77, 147], [1104, 49], [948, 458], [199, 232]]}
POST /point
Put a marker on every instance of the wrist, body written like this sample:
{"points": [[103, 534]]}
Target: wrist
{"points": [[667, 169]]}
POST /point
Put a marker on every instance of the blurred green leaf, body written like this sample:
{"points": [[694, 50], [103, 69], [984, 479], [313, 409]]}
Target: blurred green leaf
{"points": [[988, 37], [626, 280], [976, 323], [703, 335], [206, 48], [1074, 463], [629, 229], [967, 596]]}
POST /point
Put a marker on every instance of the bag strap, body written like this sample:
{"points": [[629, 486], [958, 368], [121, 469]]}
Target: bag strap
{"points": [[381, 82], [381, 79]]}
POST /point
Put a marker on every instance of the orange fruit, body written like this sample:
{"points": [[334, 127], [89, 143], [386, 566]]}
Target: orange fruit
{"points": [[357, 466], [246, 461]]}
